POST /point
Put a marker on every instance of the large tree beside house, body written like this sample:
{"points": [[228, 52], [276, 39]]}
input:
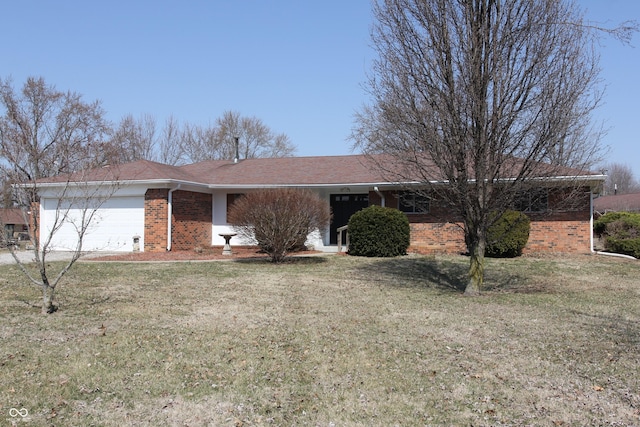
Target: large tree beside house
{"points": [[483, 101]]}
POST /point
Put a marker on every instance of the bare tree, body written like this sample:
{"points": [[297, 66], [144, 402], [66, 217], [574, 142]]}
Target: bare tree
{"points": [[138, 138], [620, 179], [135, 139], [218, 142], [78, 201], [170, 149], [476, 98], [200, 143], [45, 133]]}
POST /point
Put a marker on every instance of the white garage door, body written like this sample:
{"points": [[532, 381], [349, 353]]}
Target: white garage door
{"points": [[112, 229]]}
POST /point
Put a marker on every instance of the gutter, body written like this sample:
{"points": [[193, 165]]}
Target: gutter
{"points": [[170, 208]]}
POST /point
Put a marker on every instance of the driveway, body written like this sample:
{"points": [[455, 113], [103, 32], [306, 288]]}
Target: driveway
{"points": [[27, 256]]}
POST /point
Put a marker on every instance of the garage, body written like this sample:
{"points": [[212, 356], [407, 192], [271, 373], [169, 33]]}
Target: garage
{"points": [[113, 227]]}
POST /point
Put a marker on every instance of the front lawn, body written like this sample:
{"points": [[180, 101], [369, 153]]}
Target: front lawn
{"points": [[325, 341]]}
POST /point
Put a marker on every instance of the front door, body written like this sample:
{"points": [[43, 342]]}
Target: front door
{"points": [[342, 207]]}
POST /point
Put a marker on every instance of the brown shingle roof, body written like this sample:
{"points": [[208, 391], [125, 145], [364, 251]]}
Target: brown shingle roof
{"points": [[141, 170], [12, 216], [620, 202], [250, 172], [287, 171], [283, 171]]}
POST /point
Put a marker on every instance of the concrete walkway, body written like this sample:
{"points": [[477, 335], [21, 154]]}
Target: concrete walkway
{"points": [[27, 256]]}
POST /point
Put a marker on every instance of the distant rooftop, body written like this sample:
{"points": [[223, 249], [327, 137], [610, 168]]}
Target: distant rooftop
{"points": [[11, 216], [618, 203]]}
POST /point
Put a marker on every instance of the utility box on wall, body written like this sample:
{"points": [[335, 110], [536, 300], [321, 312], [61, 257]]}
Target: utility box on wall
{"points": [[136, 243]]}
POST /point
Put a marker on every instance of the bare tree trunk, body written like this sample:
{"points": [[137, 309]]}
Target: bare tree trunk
{"points": [[47, 299], [476, 267]]}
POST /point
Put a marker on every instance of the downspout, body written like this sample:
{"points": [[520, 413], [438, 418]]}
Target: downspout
{"points": [[593, 251], [170, 208], [382, 199]]}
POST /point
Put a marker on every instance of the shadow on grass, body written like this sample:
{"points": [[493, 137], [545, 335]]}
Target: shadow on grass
{"points": [[290, 260], [425, 273], [447, 275]]}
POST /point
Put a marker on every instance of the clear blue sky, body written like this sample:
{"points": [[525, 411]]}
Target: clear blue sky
{"points": [[297, 65]]}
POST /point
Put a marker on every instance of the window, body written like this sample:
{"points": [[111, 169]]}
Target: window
{"points": [[231, 198], [411, 202], [362, 198], [534, 200]]}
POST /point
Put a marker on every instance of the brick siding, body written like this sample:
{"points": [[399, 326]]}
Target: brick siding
{"points": [[567, 230], [192, 216], [156, 213], [560, 232]]}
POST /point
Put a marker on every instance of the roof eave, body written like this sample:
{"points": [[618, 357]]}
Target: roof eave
{"points": [[315, 185], [170, 182], [147, 182]]}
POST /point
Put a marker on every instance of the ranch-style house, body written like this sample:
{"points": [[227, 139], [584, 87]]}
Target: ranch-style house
{"points": [[158, 207]]}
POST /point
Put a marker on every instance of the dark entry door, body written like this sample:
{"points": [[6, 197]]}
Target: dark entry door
{"points": [[343, 206]]}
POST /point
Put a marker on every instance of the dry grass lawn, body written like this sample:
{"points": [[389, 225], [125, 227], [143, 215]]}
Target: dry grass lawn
{"points": [[325, 341]]}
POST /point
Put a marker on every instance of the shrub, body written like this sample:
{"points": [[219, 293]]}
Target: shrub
{"points": [[616, 223], [279, 220], [623, 246], [508, 235], [378, 232], [621, 231]]}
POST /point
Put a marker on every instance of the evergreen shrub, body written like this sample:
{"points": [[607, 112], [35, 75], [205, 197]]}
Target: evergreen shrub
{"points": [[508, 235], [378, 232]]}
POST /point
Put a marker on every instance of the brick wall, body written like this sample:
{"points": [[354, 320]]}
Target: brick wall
{"points": [[567, 230], [560, 232], [436, 237], [156, 213], [191, 222], [436, 231]]}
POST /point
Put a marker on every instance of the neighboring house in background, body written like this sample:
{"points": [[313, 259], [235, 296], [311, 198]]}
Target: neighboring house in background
{"points": [[15, 226], [166, 207], [617, 203]]}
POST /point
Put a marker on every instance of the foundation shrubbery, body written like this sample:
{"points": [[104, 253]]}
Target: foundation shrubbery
{"points": [[378, 232]]}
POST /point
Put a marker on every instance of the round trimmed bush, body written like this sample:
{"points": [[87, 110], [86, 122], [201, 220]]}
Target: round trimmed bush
{"points": [[378, 232], [508, 236]]}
